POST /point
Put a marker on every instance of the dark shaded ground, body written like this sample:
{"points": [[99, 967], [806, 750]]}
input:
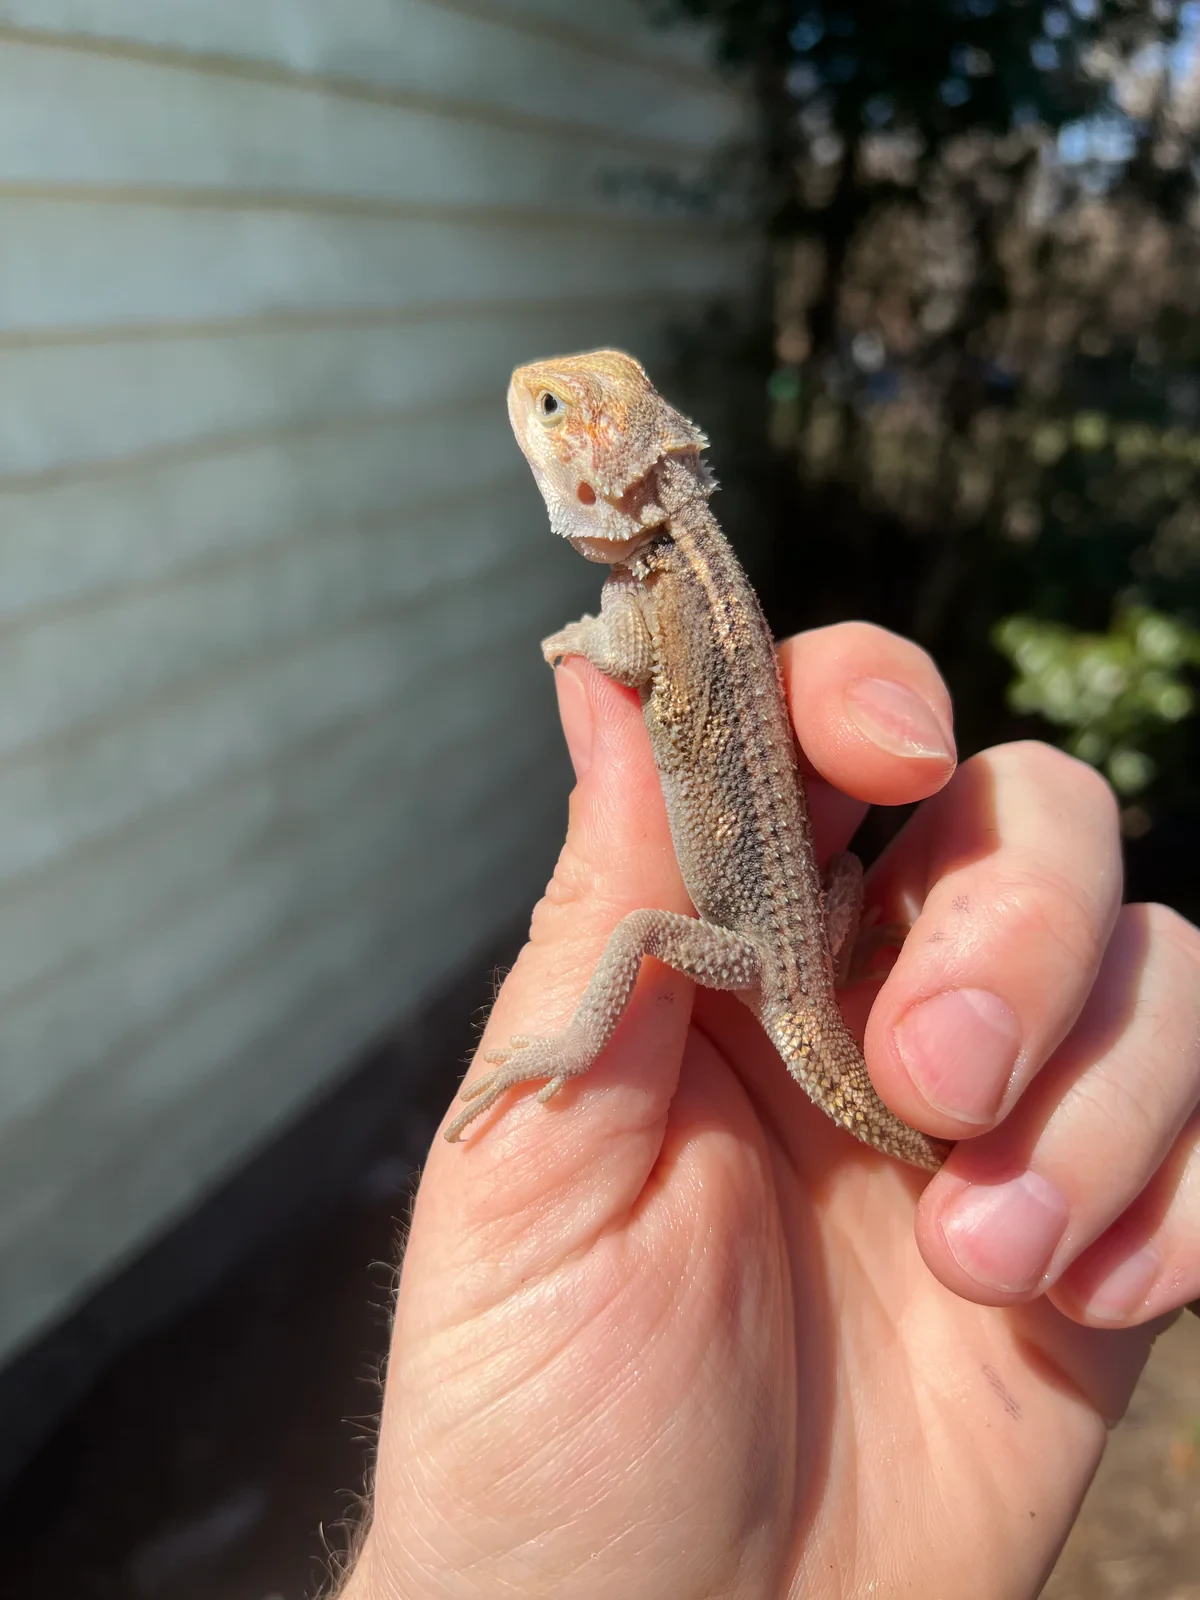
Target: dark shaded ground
{"points": [[1139, 1535], [209, 1458], [218, 1457]]}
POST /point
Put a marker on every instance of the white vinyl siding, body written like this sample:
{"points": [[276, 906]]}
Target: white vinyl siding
{"points": [[277, 749]]}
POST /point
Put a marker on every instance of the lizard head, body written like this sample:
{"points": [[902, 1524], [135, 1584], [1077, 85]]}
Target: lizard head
{"points": [[594, 430]]}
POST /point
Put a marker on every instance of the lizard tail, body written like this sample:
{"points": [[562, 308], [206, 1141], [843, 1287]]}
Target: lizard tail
{"points": [[822, 1055]]}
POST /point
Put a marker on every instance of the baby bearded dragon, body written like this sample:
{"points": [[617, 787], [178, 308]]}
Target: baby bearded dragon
{"points": [[623, 479]]}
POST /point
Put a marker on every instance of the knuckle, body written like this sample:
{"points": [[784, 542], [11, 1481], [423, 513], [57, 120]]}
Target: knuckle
{"points": [[1064, 776], [574, 885], [1162, 922], [1067, 918], [1094, 788], [582, 901], [1128, 1117], [1071, 799], [1038, 900]]}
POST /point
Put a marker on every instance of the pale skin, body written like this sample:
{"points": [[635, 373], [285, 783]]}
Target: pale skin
{"points": [[676, 1335]]}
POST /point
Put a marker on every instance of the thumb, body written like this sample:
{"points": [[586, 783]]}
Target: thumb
{"points": [[617, 858]]}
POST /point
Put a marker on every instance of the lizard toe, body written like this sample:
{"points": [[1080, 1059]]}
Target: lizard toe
{"points": [[480, 1087]]}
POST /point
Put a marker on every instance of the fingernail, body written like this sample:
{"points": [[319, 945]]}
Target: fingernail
{"points": [[1124, 1291], [897, 720], [960, 1049], [575, 712], [1004, 1237]]}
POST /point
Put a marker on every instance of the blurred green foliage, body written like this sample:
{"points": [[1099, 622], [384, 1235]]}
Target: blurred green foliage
{"points": [[984, 359], [1111, 690]]}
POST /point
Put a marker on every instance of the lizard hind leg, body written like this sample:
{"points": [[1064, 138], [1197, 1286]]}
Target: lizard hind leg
{"points": [[843, 895], [711, 955], [854, 940]]}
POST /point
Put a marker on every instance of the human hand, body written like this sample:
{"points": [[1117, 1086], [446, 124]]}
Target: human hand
{"points": [[677, 1335]]}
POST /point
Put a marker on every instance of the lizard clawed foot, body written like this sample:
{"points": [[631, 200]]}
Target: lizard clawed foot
{"points": [[520, 1061], [566, 642]]}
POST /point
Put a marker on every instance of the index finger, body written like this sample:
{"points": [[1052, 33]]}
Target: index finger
{"points": [[871, 712]]}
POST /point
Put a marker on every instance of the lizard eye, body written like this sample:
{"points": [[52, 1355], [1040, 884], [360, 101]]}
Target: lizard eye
{"points": [[550, 408]]}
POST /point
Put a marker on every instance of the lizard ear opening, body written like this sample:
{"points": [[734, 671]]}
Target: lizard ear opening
{"points": [[585, 494]]}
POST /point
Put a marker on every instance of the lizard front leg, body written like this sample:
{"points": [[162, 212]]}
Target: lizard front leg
{"points": [[710, 954], [617, 642]]}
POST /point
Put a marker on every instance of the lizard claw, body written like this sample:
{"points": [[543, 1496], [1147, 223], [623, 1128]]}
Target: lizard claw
{"points": [[482, 1094], [555, 648]]}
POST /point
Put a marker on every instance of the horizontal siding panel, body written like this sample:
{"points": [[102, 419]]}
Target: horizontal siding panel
{"points": [[78, 791], [78, 406], [123, 888], [467, 55], [57, 918], [69, 117], [231, 1013], [56, 1037], [261, 1049], [110, 658], [620, 26], [246, 1000], [74, 543], [277, 747], [106, 270]]}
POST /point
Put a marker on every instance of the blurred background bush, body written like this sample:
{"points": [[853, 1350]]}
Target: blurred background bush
{"points": [[985, 362]]}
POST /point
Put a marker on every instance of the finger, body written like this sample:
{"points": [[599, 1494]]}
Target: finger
{"points": [[1024, 1202], [1016, 869], [1148, 1262], [617, 857], [871, 712]]}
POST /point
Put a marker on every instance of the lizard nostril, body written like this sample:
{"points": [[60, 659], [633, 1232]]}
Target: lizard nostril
{"points": [[586, 495]]}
